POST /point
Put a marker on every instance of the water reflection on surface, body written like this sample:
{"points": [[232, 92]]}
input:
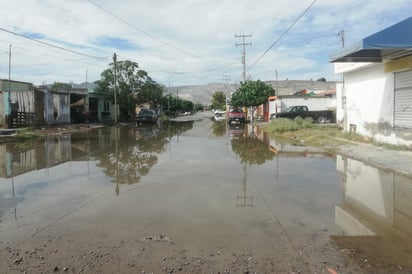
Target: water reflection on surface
{"points": [[76, 165], [376, 212], [205, 185]]}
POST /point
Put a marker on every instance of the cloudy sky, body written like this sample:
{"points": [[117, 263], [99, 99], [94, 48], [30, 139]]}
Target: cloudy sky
{"points": [[184, 42]]}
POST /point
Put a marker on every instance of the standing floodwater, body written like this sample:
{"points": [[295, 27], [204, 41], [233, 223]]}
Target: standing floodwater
{"points": [[194, 196]]}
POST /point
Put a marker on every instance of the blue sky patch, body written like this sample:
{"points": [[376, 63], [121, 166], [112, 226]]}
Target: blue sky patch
{"points": [[116, 43], [34, 35]]}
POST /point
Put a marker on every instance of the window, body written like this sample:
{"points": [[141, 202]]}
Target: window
{"points": [[106, 106]]}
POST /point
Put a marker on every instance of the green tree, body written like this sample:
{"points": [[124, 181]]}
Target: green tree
{"points": [[151, 93], [251, 94], [130, 80], [218, 100], [61, 86], [198, 107], [186, 106], [173, 105]]}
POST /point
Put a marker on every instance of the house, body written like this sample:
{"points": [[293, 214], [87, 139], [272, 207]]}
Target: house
{"points": [[313, 99], [100, 107], [289, 89], [375, 97], [21, 104], [57, 107]]}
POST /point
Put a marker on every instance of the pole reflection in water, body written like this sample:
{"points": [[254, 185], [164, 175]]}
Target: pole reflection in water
{"points": [[245, 200], [117, 190], [14, 196]]}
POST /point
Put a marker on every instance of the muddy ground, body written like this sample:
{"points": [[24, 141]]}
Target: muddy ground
{"points": [[149, 228], [88, 253]]}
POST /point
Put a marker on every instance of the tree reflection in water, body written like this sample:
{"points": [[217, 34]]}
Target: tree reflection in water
{"points": [[218, 127], [250, 149], [136, 149]]}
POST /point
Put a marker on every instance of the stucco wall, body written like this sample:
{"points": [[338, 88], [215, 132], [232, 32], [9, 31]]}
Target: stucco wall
{"points": [[369, 94], [312, 102], [57, 110]]}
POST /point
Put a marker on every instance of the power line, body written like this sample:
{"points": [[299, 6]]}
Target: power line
{"points": [[51, 45], [284, 33], [144, 32], [161, 41]]}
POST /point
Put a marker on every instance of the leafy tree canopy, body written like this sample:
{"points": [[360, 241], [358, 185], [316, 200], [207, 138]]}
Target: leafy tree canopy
{"points": [[198, 107], [218, 100], [61, 86], [130, 82], [251, 94], [151, 93]]}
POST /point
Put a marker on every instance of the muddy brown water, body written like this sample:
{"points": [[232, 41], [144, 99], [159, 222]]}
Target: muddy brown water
{"points": [[197, 197]]}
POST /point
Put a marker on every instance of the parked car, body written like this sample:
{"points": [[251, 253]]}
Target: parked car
{"points": [[146, 116], [220, 116], [236, 115], [319, 116]]}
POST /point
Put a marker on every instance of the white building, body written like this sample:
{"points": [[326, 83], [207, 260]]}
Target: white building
{"points": [[375, 98]]}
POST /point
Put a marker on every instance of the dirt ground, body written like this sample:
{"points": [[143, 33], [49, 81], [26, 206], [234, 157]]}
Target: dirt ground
{"points": [[160, 254]]}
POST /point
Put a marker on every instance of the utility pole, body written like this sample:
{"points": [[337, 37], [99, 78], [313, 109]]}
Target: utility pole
{"points": [[226, 78], [9, 120], [243, 44], [115, 88], [342, 37], [341, 34]]}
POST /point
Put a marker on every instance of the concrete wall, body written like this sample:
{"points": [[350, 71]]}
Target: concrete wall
{"points": [[312, 102], [366, 102], [15, 92], [57, 110]]}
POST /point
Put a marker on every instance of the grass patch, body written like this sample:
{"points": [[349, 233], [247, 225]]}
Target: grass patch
{"points": [[22, 135], [26, 133], [281, 125], [304, 132]]}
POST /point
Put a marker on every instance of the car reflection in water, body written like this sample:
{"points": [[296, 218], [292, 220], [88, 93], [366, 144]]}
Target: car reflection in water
{"points": [[146, 131], [236, 130]]}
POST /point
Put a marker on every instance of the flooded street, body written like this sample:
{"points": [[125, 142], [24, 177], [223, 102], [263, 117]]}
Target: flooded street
{"points": [[197, 197]]}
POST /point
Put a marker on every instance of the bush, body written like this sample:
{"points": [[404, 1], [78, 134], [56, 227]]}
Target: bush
{"points": [[283, 125]]}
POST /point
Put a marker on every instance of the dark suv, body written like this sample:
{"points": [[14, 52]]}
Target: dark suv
{"points": [[146, 116]]}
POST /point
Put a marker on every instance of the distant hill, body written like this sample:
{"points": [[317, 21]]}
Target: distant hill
{"points": [[203, 93], [88, 85]]}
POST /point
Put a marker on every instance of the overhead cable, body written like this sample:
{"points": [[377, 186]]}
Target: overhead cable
{"points": [[51, 45], [144, 32], [284, 33]]}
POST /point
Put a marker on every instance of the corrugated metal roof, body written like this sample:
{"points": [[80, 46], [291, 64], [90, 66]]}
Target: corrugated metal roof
{"points": [[391, 43]]}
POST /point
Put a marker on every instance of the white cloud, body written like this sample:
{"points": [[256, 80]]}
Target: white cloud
{"points": [[196, 37]]}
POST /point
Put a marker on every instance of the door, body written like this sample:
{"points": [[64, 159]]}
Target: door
{"points": [[403, 99]]}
